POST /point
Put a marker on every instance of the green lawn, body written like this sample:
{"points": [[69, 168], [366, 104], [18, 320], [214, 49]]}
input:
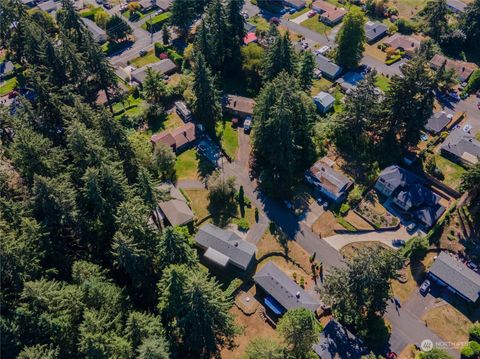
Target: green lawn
{"points": [[191, 165], [228, 137], [8, 86], [451, 171], [156, 21], [315, 25], [320, 85], [259, 22], [141, 61], [131, 107], [383, 83], [338, 106]]}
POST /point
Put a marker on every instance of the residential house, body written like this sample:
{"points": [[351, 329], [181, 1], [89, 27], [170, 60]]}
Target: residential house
{"points": [[164, 67], [328, 181], [409, 196], [249, 27], [238, 105], [178, 139], [337, 342], [462, 69], [29, 3], [374, 31], [329, 69], [175, 210], [225, 248], [324, 101], [449, 272], [49, 6], [438, 121], [456, 6], [6, 68], [146, 5], [99, 35], [183, 111], [409, 44], [281, 292], [249, 38], [296, 4], [461, 147], [163, 4], [329, 13]]}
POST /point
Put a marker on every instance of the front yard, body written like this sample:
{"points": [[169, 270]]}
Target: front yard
{"points": [[315, 25], [228, 137], [449, 323], [8, 86], [148, 58]]}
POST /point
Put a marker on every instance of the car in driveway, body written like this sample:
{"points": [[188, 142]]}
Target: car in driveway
{"points": [[312, 13], [398, 243], [247, 125], [424, 288]]}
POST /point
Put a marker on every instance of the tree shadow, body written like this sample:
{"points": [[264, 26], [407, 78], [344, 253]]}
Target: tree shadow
{"points": [[378, 334]]}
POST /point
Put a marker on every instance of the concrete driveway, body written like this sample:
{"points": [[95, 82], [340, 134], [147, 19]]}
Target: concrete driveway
{"points": [[338, 241], [301, 18]]}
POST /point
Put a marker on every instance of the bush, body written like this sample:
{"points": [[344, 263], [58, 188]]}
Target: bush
{"points": [[157, 22], [355, 196], [175, 57], [473, 82], [243, 225], [474, 332], [467, 351], [393, 59], [233, 287], [344, 209], [405, 26], [475, 347]]}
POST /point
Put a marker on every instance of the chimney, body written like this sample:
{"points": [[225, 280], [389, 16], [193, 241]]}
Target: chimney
{"points": [[297, 295], [236, 244], [235, 103]]}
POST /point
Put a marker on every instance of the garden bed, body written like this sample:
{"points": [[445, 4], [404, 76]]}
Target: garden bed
{"points": [[371, 210]]}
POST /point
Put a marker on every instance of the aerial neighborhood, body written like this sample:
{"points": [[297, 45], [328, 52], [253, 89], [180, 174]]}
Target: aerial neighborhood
{"points": [[240, 179]]}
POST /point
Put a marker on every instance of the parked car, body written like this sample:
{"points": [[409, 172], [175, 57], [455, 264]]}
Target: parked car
{"points": [[292, 10], [312, 13], [398, 242], [411, 227], [142, 52], [322, 50], [467, 128], [425, 287], [107, 5], [247, 125], [283, 11], [275, 20]]}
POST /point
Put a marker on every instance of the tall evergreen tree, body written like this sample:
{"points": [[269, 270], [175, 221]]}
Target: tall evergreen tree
{"points": [[470, 23], [435, 13], [307, 66], [351, 40], [279, 57], [207, 106]]}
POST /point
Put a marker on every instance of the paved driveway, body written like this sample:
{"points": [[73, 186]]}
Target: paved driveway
{"points": [[300, 18], [386, 237]]}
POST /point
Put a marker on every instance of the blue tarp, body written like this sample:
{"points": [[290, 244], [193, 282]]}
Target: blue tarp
{"points": [[275, 306]]}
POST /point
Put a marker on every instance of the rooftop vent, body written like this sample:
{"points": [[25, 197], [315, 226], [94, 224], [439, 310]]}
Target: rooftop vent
{"points": [[297, 294]]}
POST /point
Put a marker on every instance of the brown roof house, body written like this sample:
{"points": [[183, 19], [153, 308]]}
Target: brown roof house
{"points": [[462, 69], [330, 182], [409, 44], [238, 105], [175, 209], [178, 139], [329, 14]]}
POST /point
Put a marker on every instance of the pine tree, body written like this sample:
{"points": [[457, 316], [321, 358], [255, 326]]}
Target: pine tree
{"points": [[350, 40], [307, 66], [174, 247], [436, 17], [279, 57], [207, 107]]}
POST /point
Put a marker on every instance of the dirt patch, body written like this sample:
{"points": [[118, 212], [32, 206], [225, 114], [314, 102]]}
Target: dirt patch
{"points": [[375, 52], [253, 327], [326, 225], [358, 222], [449, 323], [408, 353], [351, 249]]}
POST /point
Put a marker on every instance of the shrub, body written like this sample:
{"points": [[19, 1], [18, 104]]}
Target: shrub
{"points": [[355, 196], [475, 347], [467, 351], [474, 332], [175, 57], [344, 209], [393, 59], [243, 225], [405, 26], [233, 287], [159, 48], [473, 82]]}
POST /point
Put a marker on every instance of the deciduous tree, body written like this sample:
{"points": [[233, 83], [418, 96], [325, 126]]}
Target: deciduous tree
{"points": [[350, 40]]}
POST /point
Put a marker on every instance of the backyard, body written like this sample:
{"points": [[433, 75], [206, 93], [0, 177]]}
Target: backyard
{"points": [[452, 171], [321, 84], [383, 83], [190, 165], [132, 106], [228, 137]]}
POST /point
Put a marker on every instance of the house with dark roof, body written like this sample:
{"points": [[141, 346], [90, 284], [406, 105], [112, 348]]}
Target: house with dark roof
{"points": [[462, 69], [324, 101], [183, 111], [178, 139], [175, 209], [238, 105], [49, 6], [164, 67], [328, 181], [99, 35], [225, 248], [461, 147], [281, 292], [407, 43], [456, 6], [409, 196], [296, 4], [163, 4], [438, 121], [327, 67], [449, 272], [337, 342], [374, 31]]}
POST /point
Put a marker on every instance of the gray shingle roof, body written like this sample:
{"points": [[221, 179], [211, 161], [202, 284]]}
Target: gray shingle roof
{"points": [[462, 145], [337, 342], [97, 32], [164, 66], [438, 121], [374, 30], [239, 251], [328, 67], [457, 275], [457, 5], [324, 99], [176, 208], [396, 176], [429, 215], [417, 195], [283, 289]]}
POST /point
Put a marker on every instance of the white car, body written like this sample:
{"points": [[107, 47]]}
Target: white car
{"points": [[323, 50], [467, 128]]}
